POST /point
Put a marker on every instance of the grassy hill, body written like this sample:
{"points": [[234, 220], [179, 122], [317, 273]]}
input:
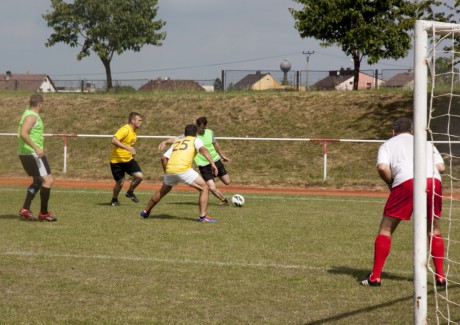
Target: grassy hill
{"points": [[345, 115]]}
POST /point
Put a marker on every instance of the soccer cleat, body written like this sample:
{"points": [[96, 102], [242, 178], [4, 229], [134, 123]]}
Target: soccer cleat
{"points": [[145, 214], [47, 216], [367, 282], [115, 203], [132, 196], [441, 282], [206, 219], [27, 214], [224, 203]]}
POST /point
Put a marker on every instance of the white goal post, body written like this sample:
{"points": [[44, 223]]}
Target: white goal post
{"points": [[431, 40]]}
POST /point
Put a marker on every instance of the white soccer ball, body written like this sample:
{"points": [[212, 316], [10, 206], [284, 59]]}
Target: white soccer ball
{"points": [[238, 200]]}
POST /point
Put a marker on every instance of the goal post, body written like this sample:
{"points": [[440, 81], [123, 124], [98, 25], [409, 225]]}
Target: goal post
{"points": [[431, 41]]}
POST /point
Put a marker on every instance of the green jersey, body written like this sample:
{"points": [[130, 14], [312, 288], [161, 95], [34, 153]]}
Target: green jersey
{"points": [[35, 133], [208, 141]]}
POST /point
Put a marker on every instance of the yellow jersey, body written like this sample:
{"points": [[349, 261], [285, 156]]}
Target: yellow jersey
{"points": [[126, 135], [183, 152]]}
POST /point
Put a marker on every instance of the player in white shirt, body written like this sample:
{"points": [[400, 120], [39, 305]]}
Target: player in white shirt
{"points": [[395, 167]]}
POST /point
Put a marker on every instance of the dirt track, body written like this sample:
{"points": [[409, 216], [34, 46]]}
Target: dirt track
{"points": [[234, 189]]}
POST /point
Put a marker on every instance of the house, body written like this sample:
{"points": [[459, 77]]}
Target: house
{"points": [[257, 81], [171, 85], [27, 82], [401, 80], [343, 80]]}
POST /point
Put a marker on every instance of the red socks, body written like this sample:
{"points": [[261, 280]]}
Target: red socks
{"points": [[437, 252], [382, 248]]}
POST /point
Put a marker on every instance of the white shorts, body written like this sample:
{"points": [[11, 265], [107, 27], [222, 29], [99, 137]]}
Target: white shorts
{"points": [[186, 177]]}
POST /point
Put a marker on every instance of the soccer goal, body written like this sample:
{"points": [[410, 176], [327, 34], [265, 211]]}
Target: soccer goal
{"points": [[437, 119]]}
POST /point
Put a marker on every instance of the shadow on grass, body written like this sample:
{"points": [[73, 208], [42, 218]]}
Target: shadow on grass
{"points": [[12, 216], [154, 216], [360, 274], [343, 316]]}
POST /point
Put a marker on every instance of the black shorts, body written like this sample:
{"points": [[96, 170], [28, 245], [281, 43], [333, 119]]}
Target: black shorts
{"points": [[206, 171], [35, 166], [119, 169]]}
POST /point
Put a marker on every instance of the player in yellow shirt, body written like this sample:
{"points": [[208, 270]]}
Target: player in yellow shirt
{"points": [[179, 169], [122, 158]]}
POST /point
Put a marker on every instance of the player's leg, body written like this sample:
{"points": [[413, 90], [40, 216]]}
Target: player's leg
{"points": [[135, 171], [434, 229], [118, 174], [206, 174], [156, 197], [32, 191], [29, 163], [222, 174], [215, 191], [398, 207], [45, 190], [199, 184]]}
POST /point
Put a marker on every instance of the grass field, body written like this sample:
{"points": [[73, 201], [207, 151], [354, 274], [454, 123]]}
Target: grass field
{"points": [[281, 259]]}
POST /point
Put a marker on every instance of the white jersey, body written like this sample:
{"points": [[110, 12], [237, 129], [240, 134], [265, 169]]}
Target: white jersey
{"points": [[398, 153]]}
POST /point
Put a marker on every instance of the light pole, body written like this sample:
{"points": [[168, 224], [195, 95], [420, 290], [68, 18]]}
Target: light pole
{"points": [[307, 54]]}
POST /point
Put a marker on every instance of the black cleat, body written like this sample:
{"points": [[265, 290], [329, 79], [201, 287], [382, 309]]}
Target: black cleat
{"points": [[114, 203], [132, 196], [368, 283]]}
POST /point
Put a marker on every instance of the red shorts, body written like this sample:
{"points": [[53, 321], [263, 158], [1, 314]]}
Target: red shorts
{"points": [[400, 203]]}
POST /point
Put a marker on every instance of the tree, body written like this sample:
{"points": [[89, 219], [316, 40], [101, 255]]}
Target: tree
{"points": [[105, 27], [371, 28], [218, 85], [445, 71]]}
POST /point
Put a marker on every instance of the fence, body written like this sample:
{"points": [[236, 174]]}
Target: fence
{"points": [[324, 142], [228, 80]]}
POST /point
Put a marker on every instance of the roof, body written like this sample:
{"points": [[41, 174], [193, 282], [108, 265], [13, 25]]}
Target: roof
{"points": [[248, 81], [400, 80], [28, 82], [332, 81], [171, 85]]}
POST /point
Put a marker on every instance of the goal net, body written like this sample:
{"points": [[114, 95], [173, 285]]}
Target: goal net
{"points": [[437, 119]]}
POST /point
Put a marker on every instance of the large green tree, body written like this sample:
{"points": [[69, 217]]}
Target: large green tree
{"points": [[105, 27], [376, 29]]}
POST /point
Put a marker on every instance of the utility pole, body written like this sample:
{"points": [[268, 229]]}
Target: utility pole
{"points": [[307, 54]]}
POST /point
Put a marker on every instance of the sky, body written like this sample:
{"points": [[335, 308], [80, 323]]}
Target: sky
{"points": [[203, 38]]}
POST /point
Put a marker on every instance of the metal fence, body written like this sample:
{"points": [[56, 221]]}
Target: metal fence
{"points": [[296, 80]]}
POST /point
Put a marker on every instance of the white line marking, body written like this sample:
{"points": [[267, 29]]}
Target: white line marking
{"points": [[187, 261]]}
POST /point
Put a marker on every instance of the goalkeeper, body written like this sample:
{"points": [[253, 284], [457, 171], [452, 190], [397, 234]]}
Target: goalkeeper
{"points": [[395, 167]]}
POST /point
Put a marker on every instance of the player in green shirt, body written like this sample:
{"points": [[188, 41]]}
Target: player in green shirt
{"points": [[209, 141], [33, 159]]}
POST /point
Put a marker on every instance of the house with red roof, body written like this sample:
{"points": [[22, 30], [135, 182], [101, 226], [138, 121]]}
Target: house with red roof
{"points": [[26, 82]]}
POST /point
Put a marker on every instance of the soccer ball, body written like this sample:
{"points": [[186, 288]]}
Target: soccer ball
{"points": [[238, 200]]}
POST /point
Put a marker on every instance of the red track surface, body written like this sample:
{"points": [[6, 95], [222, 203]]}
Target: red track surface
{"points": [[234, 189]]}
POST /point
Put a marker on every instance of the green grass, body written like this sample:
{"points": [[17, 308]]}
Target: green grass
{"points": [[346, 115], [281, 259]]}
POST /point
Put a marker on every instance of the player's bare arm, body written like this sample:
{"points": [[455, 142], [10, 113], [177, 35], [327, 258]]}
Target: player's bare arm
{"points": [[219, 151], [166, 142], [164, 161], [385, 173], [27, 125], [117, 143]]}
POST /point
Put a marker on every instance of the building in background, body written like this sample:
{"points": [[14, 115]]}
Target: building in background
{"points": [[343, 79], [257, 81], [171, 85], [401, 80], [26, 82]]}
